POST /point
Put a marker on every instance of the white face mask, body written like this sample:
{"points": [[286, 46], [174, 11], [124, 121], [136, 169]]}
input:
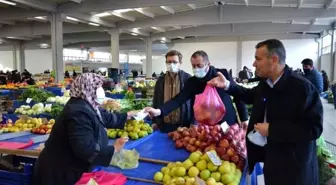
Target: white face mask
{"points": [[200, 72], [173, 67], [256, 138], [101, 98]]}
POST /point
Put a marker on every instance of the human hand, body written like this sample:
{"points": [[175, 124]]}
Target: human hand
{"points": [[262, 128], [155, 126], [119, 144], [132, 113], [152, 112], [219, 81]]}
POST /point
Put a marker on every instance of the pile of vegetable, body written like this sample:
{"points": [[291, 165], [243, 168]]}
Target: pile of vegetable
{"points": [[59, 99], [36, 109], [37, 95], [56, 110], [112, 105]]}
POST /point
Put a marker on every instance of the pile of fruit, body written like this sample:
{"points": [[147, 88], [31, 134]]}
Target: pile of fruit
{"points": [[44, 128], [23, 124], [229, 144], [36, 109], [199, 166], [133, 129], [112, 105]]}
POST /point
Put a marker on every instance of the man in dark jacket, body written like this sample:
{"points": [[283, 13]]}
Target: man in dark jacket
{"points": [[312, 74], [244, 74], [325, 81], [195, 85], [166, 87], [287, 110]]}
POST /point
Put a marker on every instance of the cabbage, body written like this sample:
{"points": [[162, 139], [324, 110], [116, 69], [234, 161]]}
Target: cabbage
{"points": [[37, 106], [51, 99]]}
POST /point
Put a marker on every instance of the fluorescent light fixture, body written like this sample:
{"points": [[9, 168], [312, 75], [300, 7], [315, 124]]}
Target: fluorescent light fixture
{"points": [[133, 50], [93, 24], [162, 41], [7, 2], [11, 37], [41, 17], [135, 34], [72, 19], [44, 45], [104, 14], [122, 10]]}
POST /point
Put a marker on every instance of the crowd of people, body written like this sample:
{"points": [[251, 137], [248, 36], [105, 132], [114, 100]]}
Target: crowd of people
{"points": [[16, 77]]}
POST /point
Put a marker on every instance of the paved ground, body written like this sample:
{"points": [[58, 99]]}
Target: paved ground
{"points": [[329, 128]]}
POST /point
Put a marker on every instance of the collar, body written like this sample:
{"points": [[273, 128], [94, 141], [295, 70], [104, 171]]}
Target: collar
{"points": [[272, 84]]}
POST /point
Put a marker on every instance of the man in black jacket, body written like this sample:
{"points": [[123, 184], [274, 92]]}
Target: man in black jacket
{"points": [[287, 110], [195, 85], [166, 87]]}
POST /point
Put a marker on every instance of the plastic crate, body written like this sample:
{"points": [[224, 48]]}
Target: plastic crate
{"points": [[13, 178]]}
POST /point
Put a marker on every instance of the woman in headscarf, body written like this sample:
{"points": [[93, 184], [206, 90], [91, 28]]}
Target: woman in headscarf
{"points": [[78, 141]]}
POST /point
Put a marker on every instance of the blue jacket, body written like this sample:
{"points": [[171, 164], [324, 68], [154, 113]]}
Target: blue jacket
{"points": [[316, 79]]}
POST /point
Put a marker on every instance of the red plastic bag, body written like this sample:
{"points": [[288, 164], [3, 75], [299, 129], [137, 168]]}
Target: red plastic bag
{"points": [[102, 178], [209, 108]]}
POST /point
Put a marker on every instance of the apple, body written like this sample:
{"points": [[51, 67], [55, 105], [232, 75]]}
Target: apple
{"points": [[230, 152], [236, 137], [192, 149], [186, 138], [205, 174], [185, 133], [179, 144], [170, 134], [219, 135], [225, 157], [212, 167], [229, 137], [234, 159], [220, 151], [197, 143], [193, 171], [215, 139], [211, 181], [180, 129], [224, 143], [213, 133], [235, 127], [201, 165], [176, 136]]}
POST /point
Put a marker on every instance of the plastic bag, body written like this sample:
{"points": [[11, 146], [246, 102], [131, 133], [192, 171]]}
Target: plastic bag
{"points": [[102, 178], [208, 107], [126, 159]]}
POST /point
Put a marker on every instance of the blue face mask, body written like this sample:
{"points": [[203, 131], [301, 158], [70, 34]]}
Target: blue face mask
{"points": [[200, 72]]}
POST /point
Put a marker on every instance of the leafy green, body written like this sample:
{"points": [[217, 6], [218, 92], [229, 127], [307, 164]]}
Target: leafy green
{"points": [[56, 110], [37, 95]]}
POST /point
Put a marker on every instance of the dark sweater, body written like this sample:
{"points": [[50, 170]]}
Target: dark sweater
{"points": [[195, 86], [185, 109], [316, 79], [78, 142]]}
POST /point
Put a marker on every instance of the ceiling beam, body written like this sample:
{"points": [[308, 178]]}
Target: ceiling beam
{"points": [[230, 14], [313, 21], [135, 30], [108, 5], [123, 16], [20, 38], [39, 5], [192, 6], [328, 4], [145, 12], [158, 29], [18, 13], [93, 19], [242, 29], [168, 9], [299, 3], [38, 29], [7, 22]]}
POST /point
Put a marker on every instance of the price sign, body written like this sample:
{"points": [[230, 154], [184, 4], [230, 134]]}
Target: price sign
{"points": [[214, 158], [224, 126], [200, 181], [28, 100]]}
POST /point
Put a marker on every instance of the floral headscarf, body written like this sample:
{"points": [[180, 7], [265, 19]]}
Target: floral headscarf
{"points": [[85, 86]]}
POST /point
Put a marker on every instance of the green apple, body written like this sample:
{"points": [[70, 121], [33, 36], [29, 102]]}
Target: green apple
{"points": [[180, 172], [187, 164], [233, 167], [171, 165], [212, 167], [166, 178], [193, 171], [201, 165], [225, 168], [178, 163], [216, 176], [195, 157], [211, 181], [158, 177], [205, 174], [227, 178], [165, 170]]}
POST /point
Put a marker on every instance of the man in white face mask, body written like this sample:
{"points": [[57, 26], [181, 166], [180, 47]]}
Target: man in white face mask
{"points": [[195, 85], [167, 86]]}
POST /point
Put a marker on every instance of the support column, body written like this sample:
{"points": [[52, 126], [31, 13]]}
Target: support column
{"points": [[332, 76], [15, 66], [57, 45], [22, 57], [239, 57], [149, 56], [114, 47], [319, 51]]}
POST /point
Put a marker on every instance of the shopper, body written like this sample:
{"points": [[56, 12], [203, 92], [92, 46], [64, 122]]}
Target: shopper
{"points": [[168, 86], [203, 71], [325, 81], [244, 74], [312, 74], [78, 140], [287, 113]]}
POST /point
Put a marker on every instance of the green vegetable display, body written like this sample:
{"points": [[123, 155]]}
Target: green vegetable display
{"points": [[37, 95], [56, 110]]}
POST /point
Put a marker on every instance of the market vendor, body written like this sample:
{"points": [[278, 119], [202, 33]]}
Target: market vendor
{"points": [[204, 72], [166, 87], [78, 140]]}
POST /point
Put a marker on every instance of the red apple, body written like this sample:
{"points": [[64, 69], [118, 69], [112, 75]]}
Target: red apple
{"points": [[198, 143], [192, 141], [225, 157], [180, 129], [216, 139], [236, 137], [235, 127], [192, 149], [230, 152], [185, 133], [170, 134], [219, 135], [179, 144], [224, 143], [229, 137], [185, 143], [220, 151], [230, 131], [235, 159], [213, 133]]}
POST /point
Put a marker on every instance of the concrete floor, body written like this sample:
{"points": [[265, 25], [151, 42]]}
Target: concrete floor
{"points": [[329, 128]]}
